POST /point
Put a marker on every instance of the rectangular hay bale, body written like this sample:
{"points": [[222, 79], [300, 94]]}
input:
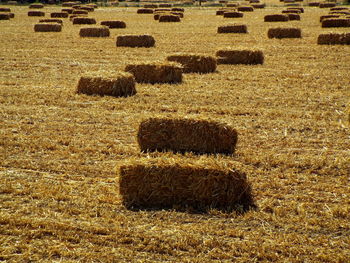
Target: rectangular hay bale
{"points": [[248, 57]]}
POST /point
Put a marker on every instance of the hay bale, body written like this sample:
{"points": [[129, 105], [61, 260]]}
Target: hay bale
{"points": [[327, 17], [59, 15], [339, 13], [152, 6], [165, 5], [259, 6], [12, 15], [284, 33], [314, 4], [67, 10], [145, 11], [36, 6], [87, 8], [157, 15], [232, 5], [135, 41], [186, 135], [336, 22], [5, 10], [291, 12], [71, 17], [4, 16], [69, 4], [162, 10], [194, 63], [36, 13], [292, 17], [59, 21], [327, 5], [232, 14], [179, 14], [340, 9], [119, 84], [177, 9], [114, 24], [245, 9], [169, 18], [183, 183], [235, 28], [84, 21], [276, 18], [156, 72], [334, 39], [102, 31], [248, 57], [80, 12], [48, 27], [300, 9]]}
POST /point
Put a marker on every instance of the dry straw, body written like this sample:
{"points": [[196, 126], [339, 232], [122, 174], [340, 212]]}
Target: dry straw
{"points": [[334, 39], [114, 24], [175, 182], [36, 6], [117, 84], [36, 13], [327, 5], [169, 18], [145, 11], [249, 57], [245, 9], [232, 14], [276, 18], [194, 63], [84, 21], [157, 72], [186, 135], [59, 14], [4, 16], [336, 22], [48, 27], [102, 31], [135, 41], [59, 21], [284, 33], [235, 28]]}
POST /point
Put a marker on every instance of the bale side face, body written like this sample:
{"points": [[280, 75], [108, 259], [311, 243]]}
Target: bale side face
{"points": [[5, 10], [114, 24], [122, 85], [48, 27], [36, 13], [184, 135], [4, 16], [169, 18], [276, 18], [59, 21], [336, 22], [144, 11], [233, 29], [135, 41], [36, 6], [248, 57], [84, 21], [245, 9], [292, 17], [155, 73], [284, 33], [259, 6], [162, 186], [334, 39], [94, 32], [195, 63], [233, 14], [59, 15], [314, 4], [80, 12], [67, 10], [327, 5]]}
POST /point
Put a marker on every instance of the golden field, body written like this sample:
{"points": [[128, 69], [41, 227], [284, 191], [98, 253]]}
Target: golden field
{"points": [[59, 196]]}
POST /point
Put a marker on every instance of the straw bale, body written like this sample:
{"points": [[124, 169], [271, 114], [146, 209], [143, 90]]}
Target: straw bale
{"points": [[284, 32], [334, 39], [222, 2], [59, 21], [179, 14], [184, 184], [327, 5], [152, 6], [157, 15], [232, 14], [336, 22], [162, 10], [315, 4], [300, 9], [36, 13], [12, 15], [48, 27], [339, 13], [259, 6], [291, 12], [36, 6], [114, 24], [68, 4], [186, 135], [327, 17], [87, 8], [169, 18], [71, 17], [116, 84], [80, 12], [145, 11], [276, 18], [165, 5], [67, 10], [59, 15], [84, 21], [76, 6], [235, 28], [5, 10], [194, 63], [249, 57], [156, 72], [245, 9], [232, 5], [177, 9], [254, 1], [292, 17], [98, 31], [4, 16], [135, 41], [340, 9]]}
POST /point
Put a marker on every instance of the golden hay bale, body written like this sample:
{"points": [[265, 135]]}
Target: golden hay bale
{"points": [[114, 24], [5, 10], [248, 57], [135, 41], [12, 15], [292, 17], [152, 6], [116, 84], [98, 31], [284, 33], [36, 6], [157, 15], [339, 13], [291, 12], [314, 4], [165, 5], [36, 13], [67, 10], [186, 135], [235, 28], [48, 27], [232, 14], [80, 12], [156, 72], [334, 39], [59, 15], [59, 21], [169, 18], [259, 6], [76, 6], [87, 8], [336, 22], [232, 5], [84, 21], [177, 9], [300, 9], [184, 184], [71, 17], [245, 9], [327, 5], [145, 11], [4, 16], [340, 9], [194, 63], [327, 17], [276, 18]]}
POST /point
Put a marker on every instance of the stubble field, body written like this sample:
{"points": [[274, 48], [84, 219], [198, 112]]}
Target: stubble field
{"points": [[59, 196]]}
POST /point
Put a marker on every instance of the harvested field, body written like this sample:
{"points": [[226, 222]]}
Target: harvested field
{"points": [[59, 151]]}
